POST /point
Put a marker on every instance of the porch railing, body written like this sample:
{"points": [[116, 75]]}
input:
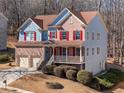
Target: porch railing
{"points": [[69, 59]]}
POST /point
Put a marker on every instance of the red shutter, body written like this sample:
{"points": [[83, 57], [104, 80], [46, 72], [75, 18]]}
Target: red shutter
{"points": [[60, 35], [24, 36], [34, 36], [50, 35], [81, 35], [73, 35], [67, 35], [73, 51]]}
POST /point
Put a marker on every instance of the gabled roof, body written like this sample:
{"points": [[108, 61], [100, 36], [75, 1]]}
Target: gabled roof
{"points": [[43, 21], [31, 20], [83, 17], [46, 20], [39, 22], [88, 16]]}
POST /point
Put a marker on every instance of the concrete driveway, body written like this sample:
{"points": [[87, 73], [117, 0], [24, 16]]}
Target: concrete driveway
{"points": [[10, 75]]}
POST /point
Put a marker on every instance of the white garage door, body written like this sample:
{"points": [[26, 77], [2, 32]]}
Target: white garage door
{"points": [[35, 62], [24, 62]]}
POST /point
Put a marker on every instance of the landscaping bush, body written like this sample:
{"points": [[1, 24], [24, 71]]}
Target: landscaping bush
{"points": [[59, 71], [48, 69], [4, 58], [71, 74], [94, 84], [84, 77], [54, 85], [66, 68]]}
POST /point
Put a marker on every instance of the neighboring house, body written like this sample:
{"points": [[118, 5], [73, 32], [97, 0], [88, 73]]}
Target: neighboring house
{"points": [[73, 38], [3, 31]]}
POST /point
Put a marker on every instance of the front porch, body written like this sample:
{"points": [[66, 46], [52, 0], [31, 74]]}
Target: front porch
{"points": [[67, 55]]}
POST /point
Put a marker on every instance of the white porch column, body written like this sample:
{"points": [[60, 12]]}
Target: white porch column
{"points": [[53, 54], [81, 59], [66, 54]]}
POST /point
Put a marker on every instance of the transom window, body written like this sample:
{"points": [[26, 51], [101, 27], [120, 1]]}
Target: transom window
{"points": [[77, 33], [63, 35]]}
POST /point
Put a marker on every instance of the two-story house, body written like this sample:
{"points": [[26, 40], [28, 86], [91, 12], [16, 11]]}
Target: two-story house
{"points": [[73, 38]]}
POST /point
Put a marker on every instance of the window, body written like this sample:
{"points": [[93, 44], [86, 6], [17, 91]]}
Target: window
{"points": [[31, 36], [64, 51], [98, 51], [77, 33], [92, 35], [53, 34], [63, 35], [77, 51], [71, 51], [87, 51], [98, 36], [87, 35], [27, 34], [92, 51]]}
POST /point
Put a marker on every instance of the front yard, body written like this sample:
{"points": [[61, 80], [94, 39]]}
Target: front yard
{"points": [[37, 83]]}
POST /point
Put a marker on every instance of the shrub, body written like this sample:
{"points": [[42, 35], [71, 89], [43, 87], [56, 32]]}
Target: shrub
{"points": [[59, 71], [48, 69], [71, 74], [84, 77], [54, 85], [66, 68], [4, 58], [94, 84]]}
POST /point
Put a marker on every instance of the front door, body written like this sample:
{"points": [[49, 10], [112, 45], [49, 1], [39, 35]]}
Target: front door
{"points": [[48, 53]]}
